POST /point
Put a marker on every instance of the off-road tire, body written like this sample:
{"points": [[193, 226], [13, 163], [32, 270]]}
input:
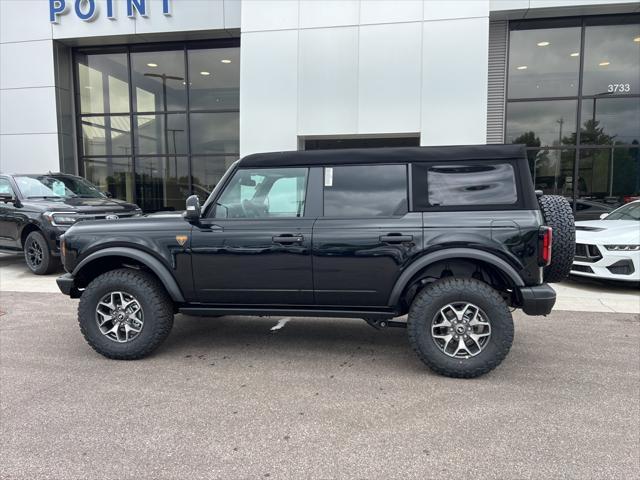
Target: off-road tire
{"points": [[435, 296], [156, 305], [48, 263], [558, 215]]}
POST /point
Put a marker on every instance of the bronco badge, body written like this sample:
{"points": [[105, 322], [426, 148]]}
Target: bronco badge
{"points": [[181, 239]]}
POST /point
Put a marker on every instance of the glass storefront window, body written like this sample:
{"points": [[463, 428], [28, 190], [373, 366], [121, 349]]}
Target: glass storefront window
{"points": [[159, 81], [607, 151], [103, 83], [215, 132], [610, 120], [206, 172], [161, 134], [611, 60], [106, 135], [174, 112], [162, 183], [113, 175], [542, 123], [544, 62], [609, 174], [214, 79], [552, 170]]}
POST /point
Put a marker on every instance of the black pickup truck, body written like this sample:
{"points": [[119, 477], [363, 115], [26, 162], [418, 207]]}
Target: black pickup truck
{"points": [[455, 237]]}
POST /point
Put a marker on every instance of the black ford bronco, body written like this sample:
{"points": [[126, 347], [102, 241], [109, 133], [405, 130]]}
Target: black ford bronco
{"points": [[454, 237]]}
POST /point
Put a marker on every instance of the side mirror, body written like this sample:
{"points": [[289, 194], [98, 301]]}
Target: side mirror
{"points": [[107, 194], [603, 216], [193, 212]]}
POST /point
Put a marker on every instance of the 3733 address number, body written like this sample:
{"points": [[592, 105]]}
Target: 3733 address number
{"points": [[619, 88]]}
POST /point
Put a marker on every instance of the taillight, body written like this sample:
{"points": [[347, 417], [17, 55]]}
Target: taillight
{"points": [[545, 237]]}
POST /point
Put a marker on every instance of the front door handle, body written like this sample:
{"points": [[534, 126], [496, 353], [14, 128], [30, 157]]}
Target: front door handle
{"points": [[396, 238], [287, 239]]}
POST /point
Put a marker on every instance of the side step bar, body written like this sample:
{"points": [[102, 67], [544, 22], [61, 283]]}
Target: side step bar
{"points": [[379, 315]]}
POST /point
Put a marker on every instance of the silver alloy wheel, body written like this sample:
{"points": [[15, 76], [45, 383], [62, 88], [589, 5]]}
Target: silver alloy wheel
{"points": [[461, 330], [34, 254], [119, 316]]}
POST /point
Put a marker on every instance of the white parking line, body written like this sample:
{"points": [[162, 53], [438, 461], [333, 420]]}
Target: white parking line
{"points": [[281, 323]]}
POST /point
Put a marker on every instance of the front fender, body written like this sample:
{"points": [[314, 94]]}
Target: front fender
{"points": [[160, 270]]}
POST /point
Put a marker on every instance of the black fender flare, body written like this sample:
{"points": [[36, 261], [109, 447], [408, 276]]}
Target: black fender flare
{"points": [[448, 254], [155, 265]]}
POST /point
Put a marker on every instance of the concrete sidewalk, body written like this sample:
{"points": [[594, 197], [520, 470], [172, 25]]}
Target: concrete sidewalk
{"points": [[573, 294]]}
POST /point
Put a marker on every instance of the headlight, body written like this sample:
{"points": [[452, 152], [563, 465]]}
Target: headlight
{"points": [[61, 219], [623, 248]]}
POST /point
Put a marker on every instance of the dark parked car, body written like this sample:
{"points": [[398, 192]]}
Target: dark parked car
{"points": [[36, 209], [590, 210], [454, 237]]}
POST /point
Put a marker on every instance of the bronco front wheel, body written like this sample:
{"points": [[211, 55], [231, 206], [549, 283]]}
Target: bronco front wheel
{"points": [[125, 314], [460, 327]]}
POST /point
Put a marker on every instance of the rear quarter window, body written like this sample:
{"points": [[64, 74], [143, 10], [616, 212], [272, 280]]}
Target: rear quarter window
{"points": [[470, 185]]}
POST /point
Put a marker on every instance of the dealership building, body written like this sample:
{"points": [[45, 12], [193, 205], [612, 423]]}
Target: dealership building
{"points": [[152, 100]]}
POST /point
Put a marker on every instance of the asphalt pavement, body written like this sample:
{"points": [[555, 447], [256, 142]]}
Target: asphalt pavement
{"points": [[229, 398]]}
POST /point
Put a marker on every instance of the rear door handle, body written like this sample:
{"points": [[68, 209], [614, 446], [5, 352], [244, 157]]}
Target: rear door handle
{"points": [[396, 238], [288, 239]]}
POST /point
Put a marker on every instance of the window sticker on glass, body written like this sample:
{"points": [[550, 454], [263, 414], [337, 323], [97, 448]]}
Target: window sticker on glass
{"points": [[328, 177], [58, 189]]}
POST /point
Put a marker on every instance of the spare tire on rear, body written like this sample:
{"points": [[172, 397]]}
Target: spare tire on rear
{"points": [[558, 215]]}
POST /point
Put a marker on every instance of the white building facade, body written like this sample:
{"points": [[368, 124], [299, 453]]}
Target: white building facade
{"points": [[153, 99]]}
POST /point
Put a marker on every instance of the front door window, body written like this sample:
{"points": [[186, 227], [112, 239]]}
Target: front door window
{"points": [[264, 193]]}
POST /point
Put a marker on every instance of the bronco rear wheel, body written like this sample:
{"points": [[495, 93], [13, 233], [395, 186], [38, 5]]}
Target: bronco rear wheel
{"points": [[460, 327], [125, 314]]}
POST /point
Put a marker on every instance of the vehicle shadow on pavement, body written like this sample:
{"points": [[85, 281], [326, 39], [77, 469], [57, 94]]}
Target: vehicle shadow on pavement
{"points": [[308, 337]]}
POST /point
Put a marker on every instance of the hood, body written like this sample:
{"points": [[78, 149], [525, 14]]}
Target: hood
{"points": [[139, 225], [81, 205], [610, 232]]}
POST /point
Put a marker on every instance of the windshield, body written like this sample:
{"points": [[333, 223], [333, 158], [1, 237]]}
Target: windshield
{"points": [[630, 211], [50, 186]]}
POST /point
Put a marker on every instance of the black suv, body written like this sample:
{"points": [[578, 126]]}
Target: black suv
{"points": [[36, 209], [452, 236]]}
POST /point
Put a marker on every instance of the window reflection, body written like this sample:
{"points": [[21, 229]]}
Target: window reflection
{"points": [[215, 132], [542, 123], [110, 135], [610, 120], [214, 77], [612, 60], [609, 174], [113, 175], [207, 171], [159, 81], [161, 133], [552, 170], [103, 83], [544, 62], [161, 183]]}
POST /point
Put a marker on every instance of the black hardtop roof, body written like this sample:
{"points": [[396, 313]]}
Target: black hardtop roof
{"points": [[383, 155]]}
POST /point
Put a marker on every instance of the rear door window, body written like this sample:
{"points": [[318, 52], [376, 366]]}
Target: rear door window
{"points": [[365, 191]]}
